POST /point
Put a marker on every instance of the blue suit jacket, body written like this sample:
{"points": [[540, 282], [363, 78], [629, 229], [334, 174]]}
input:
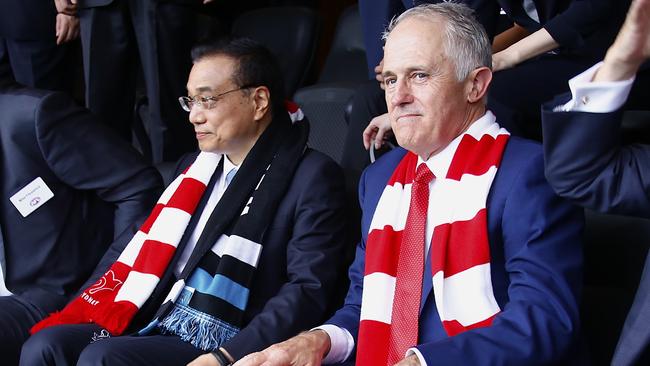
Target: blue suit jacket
{"points": [[300, 262], [536, 268], [586, 163], [100, 185]]}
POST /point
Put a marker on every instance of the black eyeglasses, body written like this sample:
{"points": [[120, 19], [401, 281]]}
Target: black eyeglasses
{"points": [[205, 101]]}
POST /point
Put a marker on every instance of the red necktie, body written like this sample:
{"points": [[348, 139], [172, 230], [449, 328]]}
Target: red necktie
{"points": [[410, 268]]}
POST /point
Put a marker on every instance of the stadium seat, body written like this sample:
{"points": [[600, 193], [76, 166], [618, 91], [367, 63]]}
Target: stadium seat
{"points": [[346, 60], [289, 32], [327, 103]]}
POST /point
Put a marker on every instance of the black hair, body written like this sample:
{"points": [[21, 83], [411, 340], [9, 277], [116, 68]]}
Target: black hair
{"points": [[255, 65]]}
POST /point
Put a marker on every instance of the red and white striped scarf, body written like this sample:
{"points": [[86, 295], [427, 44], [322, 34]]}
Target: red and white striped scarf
{"points": [[115, 298], [460, 252]]}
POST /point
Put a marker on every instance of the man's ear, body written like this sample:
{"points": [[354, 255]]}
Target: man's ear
{"points": [[477, 84], [261, 101]]}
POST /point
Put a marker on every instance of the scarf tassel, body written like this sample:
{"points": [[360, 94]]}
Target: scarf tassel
{"points": [[204, 332], [61, 317]]}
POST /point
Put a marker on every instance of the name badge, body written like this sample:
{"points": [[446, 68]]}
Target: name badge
{"points": [[31, 197]]}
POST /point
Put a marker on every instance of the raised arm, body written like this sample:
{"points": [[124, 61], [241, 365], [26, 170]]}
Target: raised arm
{"points": [[585, 160]]}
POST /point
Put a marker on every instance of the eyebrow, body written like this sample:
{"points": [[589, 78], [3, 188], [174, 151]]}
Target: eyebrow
{"points": [[409, 70], [201, 89]]}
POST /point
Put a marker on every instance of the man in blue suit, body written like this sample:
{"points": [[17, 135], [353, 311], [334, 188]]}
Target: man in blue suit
{"points": [[258, 260], [436, 74], [69, 188], [586, 163]]}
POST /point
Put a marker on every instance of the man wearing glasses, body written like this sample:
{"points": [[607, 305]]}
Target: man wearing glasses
{"points": [[242, 249]]}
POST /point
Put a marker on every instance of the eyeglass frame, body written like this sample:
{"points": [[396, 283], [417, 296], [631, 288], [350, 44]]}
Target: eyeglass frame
{"points": [[210, 100]]}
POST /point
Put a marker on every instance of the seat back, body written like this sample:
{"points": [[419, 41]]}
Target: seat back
{"points": [[325, 106], [346, 60], [615, 252], [290, 33]]}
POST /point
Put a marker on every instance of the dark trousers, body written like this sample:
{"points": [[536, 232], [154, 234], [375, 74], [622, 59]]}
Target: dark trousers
{"points": [[40, 63], [88, 344], [119, 37], [16, 317]]}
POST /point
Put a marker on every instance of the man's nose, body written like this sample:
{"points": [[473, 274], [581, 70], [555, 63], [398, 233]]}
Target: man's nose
{"points": [[401, 94], [196, 115]]}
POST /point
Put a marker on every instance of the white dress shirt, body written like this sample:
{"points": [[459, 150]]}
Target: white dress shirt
{"points": [[596, 97]]}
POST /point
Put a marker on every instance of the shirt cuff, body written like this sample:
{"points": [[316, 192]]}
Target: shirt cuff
{"points": [[596, 97], [415, 351], [341, 342]]}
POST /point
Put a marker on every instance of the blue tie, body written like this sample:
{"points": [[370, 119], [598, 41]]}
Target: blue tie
{"points": [[230, 175]]}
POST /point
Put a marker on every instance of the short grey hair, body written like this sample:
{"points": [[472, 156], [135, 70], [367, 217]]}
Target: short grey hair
{"points": [[465, 42]]}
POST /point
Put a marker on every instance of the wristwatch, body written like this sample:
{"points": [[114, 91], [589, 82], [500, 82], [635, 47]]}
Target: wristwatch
{"points": [[221, 357]]}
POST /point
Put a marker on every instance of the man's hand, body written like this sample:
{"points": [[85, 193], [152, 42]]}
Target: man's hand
{"points": [[632, 45], [66, 7], [305, 349], [205, 360], [378, 73], [411, 360], [67, 28], [377, 131]]}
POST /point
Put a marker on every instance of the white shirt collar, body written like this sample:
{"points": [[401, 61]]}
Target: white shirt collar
{"points": [[228, 165]]}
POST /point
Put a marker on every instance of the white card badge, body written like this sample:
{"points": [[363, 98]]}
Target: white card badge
{"points": [[31, 196]]}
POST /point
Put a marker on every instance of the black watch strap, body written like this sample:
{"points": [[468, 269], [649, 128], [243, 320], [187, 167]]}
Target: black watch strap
{"points": [[223, 360]]}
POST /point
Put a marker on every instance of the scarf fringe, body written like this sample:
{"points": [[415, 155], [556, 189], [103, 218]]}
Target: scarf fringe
{"points": [[204, 332], [61, 317]]}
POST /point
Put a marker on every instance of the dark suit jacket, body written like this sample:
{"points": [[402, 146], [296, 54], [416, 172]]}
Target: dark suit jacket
{"points": [[536, 264], [586, 163], [100, 186], [300, 262]]}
